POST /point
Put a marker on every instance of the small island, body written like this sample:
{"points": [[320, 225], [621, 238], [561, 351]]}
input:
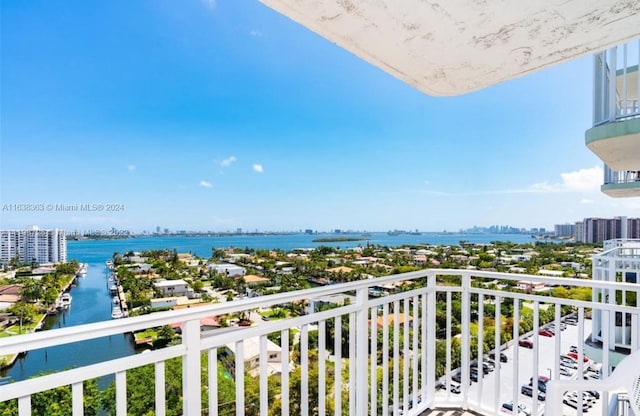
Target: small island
{"points": [[337, 239]]}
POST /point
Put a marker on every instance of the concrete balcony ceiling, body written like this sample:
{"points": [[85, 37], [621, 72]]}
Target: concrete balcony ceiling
{"points": [[454, 47]]}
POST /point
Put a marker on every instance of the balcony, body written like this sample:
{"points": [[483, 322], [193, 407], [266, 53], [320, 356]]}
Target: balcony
{"points": [[621, 184], [615, 137], [382, 353]]}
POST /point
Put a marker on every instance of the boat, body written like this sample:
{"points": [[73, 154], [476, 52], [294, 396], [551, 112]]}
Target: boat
{"points": [[113, 289], [116, 301], [65, 300], [82, 271], [116, 312], [109, 264]]}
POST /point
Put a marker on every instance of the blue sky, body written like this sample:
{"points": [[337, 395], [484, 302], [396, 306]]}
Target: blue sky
{"points": [[213, 115]]}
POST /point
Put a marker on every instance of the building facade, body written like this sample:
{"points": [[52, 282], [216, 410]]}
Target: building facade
{"points": [[33, 245], [564, 230], [599, 230], [619, 262]]}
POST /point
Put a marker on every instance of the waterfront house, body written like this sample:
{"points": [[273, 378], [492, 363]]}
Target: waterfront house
{"points": [[529, 287], [253, 280], [168, 302], [251, 354], [340, 270], [9, 294], [316, 304], [231, 270], [390, 321], [170, 288]]}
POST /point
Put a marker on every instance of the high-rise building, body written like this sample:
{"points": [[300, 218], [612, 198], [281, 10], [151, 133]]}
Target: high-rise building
{"points": [[564, 230], [33, 245], [598, 230]]}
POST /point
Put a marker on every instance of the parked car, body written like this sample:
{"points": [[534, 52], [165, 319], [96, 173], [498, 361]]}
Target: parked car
{"points": [[527, 343], [595, 394], [528, 391], [573, 348], [486, 368], [571, 365], [503, 357], [591, 375], [542, 383], [573, 402], [587, 398], [575, 357], [456, 388], [545, 333], [565, 371], [473, 374], [508, 408], [568, 359]]}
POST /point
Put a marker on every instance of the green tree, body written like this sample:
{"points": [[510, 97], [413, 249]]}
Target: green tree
{"points": [[26, 312], [31, 290], [198, 285], [57, 402]]}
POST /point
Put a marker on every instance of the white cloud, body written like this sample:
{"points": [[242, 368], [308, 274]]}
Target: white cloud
{"points": [[255, 33], [582, 180], [205, 184], [131, 168], [228, 161], [258, 168]]}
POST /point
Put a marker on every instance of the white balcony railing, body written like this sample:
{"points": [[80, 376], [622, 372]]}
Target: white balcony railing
{"points": [[621, 176], [616, 88], [390, 368]]}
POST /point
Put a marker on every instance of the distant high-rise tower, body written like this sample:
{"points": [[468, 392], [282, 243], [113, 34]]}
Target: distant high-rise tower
{"points": [[564, 230], [33, 245]]}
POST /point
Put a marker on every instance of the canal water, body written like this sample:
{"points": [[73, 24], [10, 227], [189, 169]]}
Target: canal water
{"points": [[91, 303]]}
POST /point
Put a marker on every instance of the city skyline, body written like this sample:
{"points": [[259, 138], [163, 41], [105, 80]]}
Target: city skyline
{"points": [[224, 115]]}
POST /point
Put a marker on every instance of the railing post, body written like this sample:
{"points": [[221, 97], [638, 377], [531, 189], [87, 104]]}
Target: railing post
{"points": [[191, 367], [613, 112], [362, 341], [431, 338], [466, 312]]}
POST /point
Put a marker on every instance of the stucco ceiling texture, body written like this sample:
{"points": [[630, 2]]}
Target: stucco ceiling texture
{"points": [[450, 47]]}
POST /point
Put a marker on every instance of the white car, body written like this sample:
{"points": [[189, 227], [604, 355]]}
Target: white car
{"points": [[508, 408]]}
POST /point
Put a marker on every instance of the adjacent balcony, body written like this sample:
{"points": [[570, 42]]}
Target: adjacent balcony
{"points": [[399, 345], [621, 184], [615, 136]]}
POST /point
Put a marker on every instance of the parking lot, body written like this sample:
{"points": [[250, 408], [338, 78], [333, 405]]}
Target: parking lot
{"points": [[504, 383]]}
